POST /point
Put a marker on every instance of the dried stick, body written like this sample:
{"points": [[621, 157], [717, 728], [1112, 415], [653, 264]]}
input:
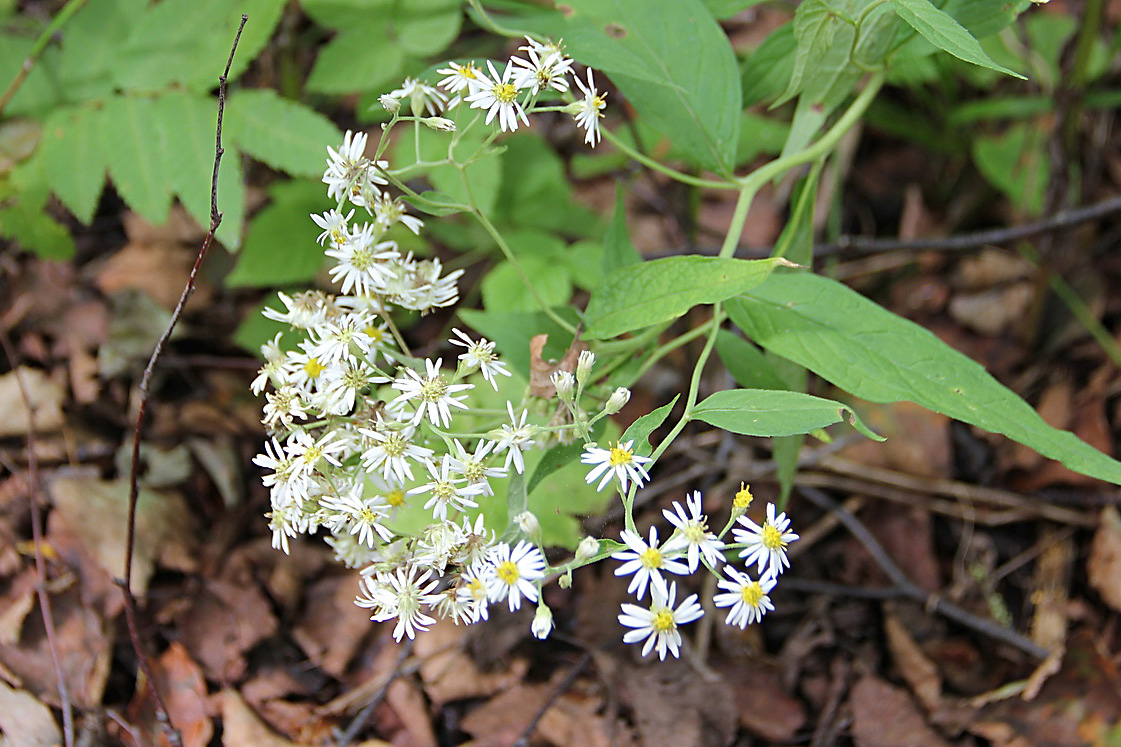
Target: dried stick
{"points": [[145, 382], [559, 690], [359, 722], [906, 587], [37, 48], [37, 539]]}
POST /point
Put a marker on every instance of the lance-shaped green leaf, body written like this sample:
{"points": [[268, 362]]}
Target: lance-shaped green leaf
{"points": [[771, 412], [663, 289], [641, 429], [878, 356], [941, 29]]}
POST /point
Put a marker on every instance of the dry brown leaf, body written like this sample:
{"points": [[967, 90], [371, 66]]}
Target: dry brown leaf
{"points": [[228, 618], [990, 312], [24, 721], [183, 690], [673, 704], [448, 673], [242, 727], [97, 510], [333, 626], [918, 440], [15, 605], [762, 704], [408, 703], [44, 394], [1050, 583], [1103, 568], [158, 269], [570, 718], [540, 370], [917, 669], [885, 716]]}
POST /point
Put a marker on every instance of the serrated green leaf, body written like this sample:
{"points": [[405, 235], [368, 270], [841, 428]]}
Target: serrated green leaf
{"points": [[74, 159], [39, 91], [943, 31], [36, 232], [618, 251], [131, 135], [281, 133], [280, 246], [663, 289], [422, 33], [878, 356], [355, 60], [769, 412], [92, 42], [640, 430]]}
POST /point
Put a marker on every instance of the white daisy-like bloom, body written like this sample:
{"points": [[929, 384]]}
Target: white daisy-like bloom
{"points": [[285, 481], [349, 551], [446, 493], [646, 561], [303, 369], [499, 96], [283, 406], [515, 572], [342, 384], [589, 110], [432, 394], [476, 543], [401, 595], [306, 453], [692, 533], [361, 260], [515, 439], [421, 96], [461, 77], [658, 623], [747, 598], [472, 589], [272, 372], [542, 70], [339, 339], [350, 157], [388, 212], [335, 225], [285, 523], [480, 356], [391, 449], [301, 311], [437, 543], [426, 289], [350, 175], [473, 467], [618, 461], [358, 515], [765, 545]]}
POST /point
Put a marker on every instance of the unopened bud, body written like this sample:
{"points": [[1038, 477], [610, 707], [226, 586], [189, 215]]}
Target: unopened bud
{"points": [[584, 365], [564, 382], [443, 124], [389, 103], [743, 498], [542, 622], [528, 523], [587, 549], [617, 399]]}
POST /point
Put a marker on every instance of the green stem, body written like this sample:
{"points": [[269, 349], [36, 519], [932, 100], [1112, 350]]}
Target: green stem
{"points": [[37, 48], [677, 342], [649, 162]]}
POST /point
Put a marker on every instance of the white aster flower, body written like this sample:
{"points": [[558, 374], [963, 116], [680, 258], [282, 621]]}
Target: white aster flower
{"points": [[646, 562], [692, 533], [446, 493], [362, 261], [618, 461], [499, 96], [285, 523], [480, 355], [341, 338], [349, 551], [360, 516], [306, 453], [589, 110], [335, 225], [400, 595], [421, 96], [476, 542], [657, 624], [302, 311], [546, 69], [282, 406], [388, 211], [460, 77], [433, 395], [342, 385], [515, 573], [391, 451], [514, 439], [747, 598], [765, 545], [473, 467], [437, 543], [472, 589]]}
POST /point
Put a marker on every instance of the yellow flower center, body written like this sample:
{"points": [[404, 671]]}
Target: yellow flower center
{"points": [[772, 538], [475, 586], [651, 558], [312, 455], [505, 93], [468, 71], [752, 594], [313, 368], [743, 498], [395, 497], [375, 333], [433, 390], [508, 572], [367, 515], [663, 621], [620, 456]]}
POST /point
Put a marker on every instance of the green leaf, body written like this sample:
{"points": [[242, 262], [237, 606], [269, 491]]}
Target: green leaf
{"points": [[769, 412], [533, 175], [517, 501], [641, 429], [797, 238], [618, 251], [560, 456], [357, 59], [421, 33], [760, 136], [664, 289], [943, 31], [280, 246], [1016, 163], [131, 136], [40, 91], [284, 134], [91, 43], [815, 27], [746, 364], [74, 160], [35, 231], [504, 290], [874, 354], [767, 71], [675, 66], [484, 173], [436, 203]]}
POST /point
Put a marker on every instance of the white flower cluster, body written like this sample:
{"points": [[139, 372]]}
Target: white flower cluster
{"points": [[506, 96], [691, 542]]}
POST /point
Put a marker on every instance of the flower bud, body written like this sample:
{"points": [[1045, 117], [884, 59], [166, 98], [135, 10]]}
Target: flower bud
{"points": [[528, 523], [617, 399], [389, 103], [442, 124], [542, 622], [584, 365], [564, 383], [587, 549], [743, 498], [565, 581]]}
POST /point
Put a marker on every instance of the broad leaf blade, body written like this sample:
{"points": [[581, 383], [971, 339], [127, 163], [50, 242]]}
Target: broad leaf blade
{"points": [[131, 135], [641, 429], [281, 133], [74, 160], [769, 412], [663, 289], [941, 29], [874, 354]]}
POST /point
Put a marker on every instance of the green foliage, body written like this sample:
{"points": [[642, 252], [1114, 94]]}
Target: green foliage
{"points": [[769, 412], [941, 29], [280, 246], [878, 356], [1016, 163], [618, 251], [663, 289], [641, 429]]}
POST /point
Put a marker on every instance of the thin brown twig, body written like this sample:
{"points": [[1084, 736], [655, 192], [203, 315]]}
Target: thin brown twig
{"points": [[33, 492], [560, 689], [909, 589], [359, 722], [145, 382]]}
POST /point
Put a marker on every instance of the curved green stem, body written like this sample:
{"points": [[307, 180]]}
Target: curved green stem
{"points": [[683, 339], [672, 173], [37, 48]]}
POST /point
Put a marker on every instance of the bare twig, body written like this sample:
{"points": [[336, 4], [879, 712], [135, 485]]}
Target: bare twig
{"points": [[909, 589], [559, 690], [145, 382], [359, 723], [37, 539], [37, 48]]}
